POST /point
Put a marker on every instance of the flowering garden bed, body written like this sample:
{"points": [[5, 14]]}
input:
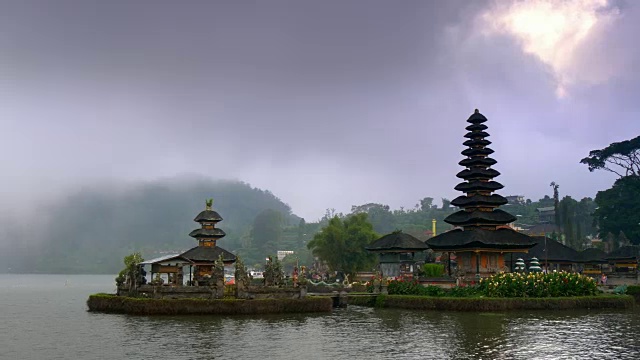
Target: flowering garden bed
{"points": [[505, 291]]}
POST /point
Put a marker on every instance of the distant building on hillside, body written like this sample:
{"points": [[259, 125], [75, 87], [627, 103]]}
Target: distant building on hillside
{"points": [[546, 214], [281, 254], [515, 199]]}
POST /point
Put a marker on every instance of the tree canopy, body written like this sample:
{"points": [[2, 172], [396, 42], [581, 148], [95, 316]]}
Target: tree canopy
{"points": [[619, 208], [341, 243], [621, 158]]}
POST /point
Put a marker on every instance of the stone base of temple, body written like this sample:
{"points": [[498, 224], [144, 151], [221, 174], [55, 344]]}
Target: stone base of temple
{"points": [[211, 292], [148, 306]]}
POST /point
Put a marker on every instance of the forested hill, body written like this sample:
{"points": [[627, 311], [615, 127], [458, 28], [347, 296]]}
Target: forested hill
{"points": [[91, 230]]}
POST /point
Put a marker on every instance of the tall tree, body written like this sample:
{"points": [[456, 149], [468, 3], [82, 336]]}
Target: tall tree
{"points": [[621, 158], [341, 243], [426, 203], [301, 232], [379, 215], [446, 204], [619, 208], [556, 202], [622, 239]]}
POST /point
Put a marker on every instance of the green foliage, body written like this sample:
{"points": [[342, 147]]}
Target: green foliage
{"points": [[341, 244], [556, 284], [621, 158], [267, 231], [132, 274], [432, 270], [576, 220], [619, 208], [91, 230], [379, 215], [633, 290]]}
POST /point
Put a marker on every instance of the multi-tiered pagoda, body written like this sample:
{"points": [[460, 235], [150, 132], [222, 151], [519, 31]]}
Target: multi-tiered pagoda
{"points": [[207, 252], [482, 235]]}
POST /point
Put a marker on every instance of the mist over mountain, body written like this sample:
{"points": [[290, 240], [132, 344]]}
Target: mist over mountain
{"points": [[92, 229]]}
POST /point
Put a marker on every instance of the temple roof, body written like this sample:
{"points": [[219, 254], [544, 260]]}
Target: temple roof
{"points": [[477, 142], [477, 173], [397, 241], [631, 252], [593, 255], [207, 233], [476, 134], [477, 152], [479, 200], [478, 185], [481, 218], [476, 127], [557, 252], [476, 118], [477, 161], [208, 254], [208, 215], [458, 239]]}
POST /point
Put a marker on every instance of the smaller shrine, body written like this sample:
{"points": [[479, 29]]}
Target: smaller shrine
{"points": [[397, 253], [205, 255], [203, 260]]}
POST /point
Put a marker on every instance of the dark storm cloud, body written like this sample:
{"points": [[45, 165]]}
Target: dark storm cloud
{"points": [[327, 104]]}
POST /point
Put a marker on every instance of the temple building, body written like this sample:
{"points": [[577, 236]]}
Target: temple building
{"points": [[397, 253], [200, 259], [481, 237], [207, 252]]}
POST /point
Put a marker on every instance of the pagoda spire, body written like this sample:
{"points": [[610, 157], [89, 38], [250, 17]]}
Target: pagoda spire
{"points": [[208, 234], [479, 204]]}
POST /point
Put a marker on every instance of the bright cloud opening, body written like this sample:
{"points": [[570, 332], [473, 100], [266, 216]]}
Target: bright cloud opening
{"points": [[553, 31]]}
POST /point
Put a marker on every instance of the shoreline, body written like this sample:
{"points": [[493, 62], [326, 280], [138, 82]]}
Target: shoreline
{"points": [[477, 304]]}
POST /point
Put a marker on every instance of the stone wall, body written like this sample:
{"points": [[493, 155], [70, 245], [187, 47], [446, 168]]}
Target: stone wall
{"points": [[205, 292]]}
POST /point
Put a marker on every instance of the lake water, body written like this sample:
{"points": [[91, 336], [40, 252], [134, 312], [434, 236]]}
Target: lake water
{"points": [[45, 317]]}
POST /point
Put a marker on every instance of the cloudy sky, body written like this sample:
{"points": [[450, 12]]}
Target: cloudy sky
{"points": [[327, 104]]}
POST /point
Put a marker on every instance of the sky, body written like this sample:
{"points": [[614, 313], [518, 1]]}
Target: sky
{"points": [[327, 104]]}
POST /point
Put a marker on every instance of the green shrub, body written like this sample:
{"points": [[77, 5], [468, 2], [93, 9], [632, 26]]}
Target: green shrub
{"points": [[556, 284], [412, 287], [432, 270], [633, 290]]}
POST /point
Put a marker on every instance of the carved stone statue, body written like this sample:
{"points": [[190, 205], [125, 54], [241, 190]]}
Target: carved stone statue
{"points": [[217, 279], [242, 279]]}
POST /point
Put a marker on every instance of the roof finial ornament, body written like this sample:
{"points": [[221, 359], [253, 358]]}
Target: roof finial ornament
{"points": [[208, 204], [477, 111]]}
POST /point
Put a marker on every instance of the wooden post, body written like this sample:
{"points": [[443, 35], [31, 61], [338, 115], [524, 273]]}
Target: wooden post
{"points": [[477, 264]]}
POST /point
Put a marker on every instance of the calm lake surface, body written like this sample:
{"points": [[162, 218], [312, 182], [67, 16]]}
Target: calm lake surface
{"points": [[45, 317]]}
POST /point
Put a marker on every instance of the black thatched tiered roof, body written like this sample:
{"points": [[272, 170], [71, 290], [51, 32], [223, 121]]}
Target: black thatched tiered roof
{"points": [[397, 242], [207, 250], [503, 238], [208, 215], [208, 254], [478, 204], [482, 222], [207, 219]]}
